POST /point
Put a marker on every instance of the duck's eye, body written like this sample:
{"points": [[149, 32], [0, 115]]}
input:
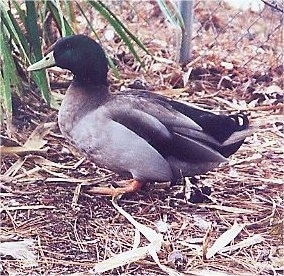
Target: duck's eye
{"points": [[47, 58]]}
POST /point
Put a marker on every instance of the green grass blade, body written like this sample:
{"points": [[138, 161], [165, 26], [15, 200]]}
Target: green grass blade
{"points": [[131, 35], [40, 77], [8, 74], [13, 29], [20, 12], [60, 19], [32, 29], [172, 13], [87, 20], [113, 67], [3, 103], [116, 26], [71, 15]]}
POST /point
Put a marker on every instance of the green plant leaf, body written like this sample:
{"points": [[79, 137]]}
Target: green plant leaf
{"points": [[32, 29], [171, 12], [100, 8], [40, 77], [13, 29], [131, 35], [9, 77], [63, 26], [119, 27], [87, 20]]}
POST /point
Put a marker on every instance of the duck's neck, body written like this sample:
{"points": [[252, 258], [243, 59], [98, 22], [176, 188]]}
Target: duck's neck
{"points": [[91, 78], [79, 100]]}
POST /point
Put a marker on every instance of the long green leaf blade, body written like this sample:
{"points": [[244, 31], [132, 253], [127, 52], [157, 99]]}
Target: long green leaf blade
{"points": [[131, 35], [33, 34], [8, 73], [58, 18], [174, 16], [116, 26], [32, 29]]}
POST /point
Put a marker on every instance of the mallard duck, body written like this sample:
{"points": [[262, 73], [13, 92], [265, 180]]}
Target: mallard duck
{"points": [[150, 137]]}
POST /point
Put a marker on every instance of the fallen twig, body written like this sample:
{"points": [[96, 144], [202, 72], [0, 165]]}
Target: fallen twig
{"points": [[29, 207]]}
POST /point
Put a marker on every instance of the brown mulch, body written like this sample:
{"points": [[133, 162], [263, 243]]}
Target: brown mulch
{"points": [[71, 232]]}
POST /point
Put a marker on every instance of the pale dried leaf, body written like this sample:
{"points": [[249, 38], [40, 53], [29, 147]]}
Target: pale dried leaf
{"points": [[244, 243], [227, 65], [163, 60], [201, 223], [136, 253], [207, 272], [137, 238], [121, 259], [15, 167], [277, 263], [228, 209], [43, 161], [20, 250], [36, 141], [224, 239], [186, 75], [158, 67], [150, 234], [20, 150], [162, 226]]}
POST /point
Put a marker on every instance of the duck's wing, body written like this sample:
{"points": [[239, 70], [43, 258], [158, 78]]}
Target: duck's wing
{"points": [[224, 133], [228, 131], [165, 128]]}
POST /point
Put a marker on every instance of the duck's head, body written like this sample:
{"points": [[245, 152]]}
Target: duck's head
{"points": [[80, 54]]}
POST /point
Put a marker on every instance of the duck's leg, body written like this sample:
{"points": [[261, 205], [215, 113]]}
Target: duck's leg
{"points": [[132, 186]]}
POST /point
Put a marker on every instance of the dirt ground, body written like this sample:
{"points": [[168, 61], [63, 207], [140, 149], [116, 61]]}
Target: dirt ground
{"points": [[44, 198]]}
